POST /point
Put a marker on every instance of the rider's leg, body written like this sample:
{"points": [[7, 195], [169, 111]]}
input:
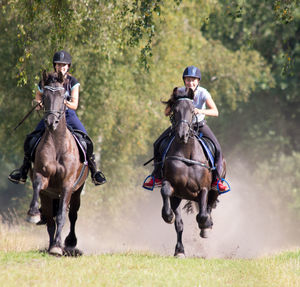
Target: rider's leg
{"points": [[97, 176], [20, 175], [207, 132], [157, 171]]}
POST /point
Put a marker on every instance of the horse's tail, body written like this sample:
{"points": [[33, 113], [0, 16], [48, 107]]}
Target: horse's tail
{"points": [[191, 207]]}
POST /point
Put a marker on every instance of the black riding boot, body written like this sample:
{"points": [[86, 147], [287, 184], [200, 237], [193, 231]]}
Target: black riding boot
{"points": [[157, 171], [20, 175], [98, 177]]}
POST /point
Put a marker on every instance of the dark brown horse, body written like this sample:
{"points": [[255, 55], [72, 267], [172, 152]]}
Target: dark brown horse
{"points": [[58, 175], [187, 174]]}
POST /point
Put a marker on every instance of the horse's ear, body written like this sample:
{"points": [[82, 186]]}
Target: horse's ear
{"points": [[190, 94], [60, 77], [45, 76]]}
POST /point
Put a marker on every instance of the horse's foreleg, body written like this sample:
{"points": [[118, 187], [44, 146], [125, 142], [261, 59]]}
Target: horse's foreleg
{"points": [[51, 226], [33, 214], [56, 248], [212, 200], [166, 192], [175, 205], [71, 240], [47, 212], [203, 217]]}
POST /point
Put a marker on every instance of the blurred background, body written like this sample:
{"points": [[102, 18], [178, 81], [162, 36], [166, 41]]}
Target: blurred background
{"points": [[128, 56]]}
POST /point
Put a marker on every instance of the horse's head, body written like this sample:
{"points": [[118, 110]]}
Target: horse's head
{"points": [[53, 98], [182, 108]]}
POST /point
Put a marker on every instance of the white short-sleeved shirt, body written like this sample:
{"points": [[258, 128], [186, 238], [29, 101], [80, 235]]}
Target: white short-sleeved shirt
{"points": [[200, 98]]}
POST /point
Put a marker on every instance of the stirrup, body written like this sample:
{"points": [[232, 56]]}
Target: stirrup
{"points": [[222, 192], [156, 182], [153, 179], [96, 182], [16, 177]]}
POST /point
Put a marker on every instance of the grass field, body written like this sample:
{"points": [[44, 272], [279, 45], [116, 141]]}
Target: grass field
{"points": [[34, 268], [22, 264]]}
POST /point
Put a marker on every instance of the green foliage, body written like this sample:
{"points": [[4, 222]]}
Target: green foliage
{"points": [[128, 55], [280, 177], [271, 117]]}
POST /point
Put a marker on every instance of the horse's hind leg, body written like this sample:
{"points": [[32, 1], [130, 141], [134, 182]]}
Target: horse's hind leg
{"points": [[175, 205], [71, 240], [166, 192]]}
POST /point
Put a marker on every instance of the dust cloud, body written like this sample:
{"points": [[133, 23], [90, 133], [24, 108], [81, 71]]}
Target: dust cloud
{"points": [[245, 226]]}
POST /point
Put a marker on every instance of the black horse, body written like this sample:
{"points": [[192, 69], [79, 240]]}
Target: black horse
{"points": [[186, 171], [58, 175]]}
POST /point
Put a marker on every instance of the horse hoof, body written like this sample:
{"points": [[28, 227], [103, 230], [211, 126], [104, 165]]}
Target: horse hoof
{"points": [[56, 251], [168, 218], [180, 255], [33, 218], [73, 252], [204, 233]]}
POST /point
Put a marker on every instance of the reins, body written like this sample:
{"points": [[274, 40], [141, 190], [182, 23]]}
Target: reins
{"points": [[52, 89], [27, 115], [189, 161]]}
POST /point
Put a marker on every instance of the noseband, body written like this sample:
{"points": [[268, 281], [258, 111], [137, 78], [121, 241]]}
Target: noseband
{"points": [[56, 113]]}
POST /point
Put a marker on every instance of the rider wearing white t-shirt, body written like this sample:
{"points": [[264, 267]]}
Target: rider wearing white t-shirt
{"points": [[204, 106]]}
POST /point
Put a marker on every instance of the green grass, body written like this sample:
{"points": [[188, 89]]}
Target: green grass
{"points": [[33, 268]]}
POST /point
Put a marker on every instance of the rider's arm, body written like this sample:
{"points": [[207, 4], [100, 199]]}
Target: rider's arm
{"points": [[38, 99], [211, 109], [73, 103]]}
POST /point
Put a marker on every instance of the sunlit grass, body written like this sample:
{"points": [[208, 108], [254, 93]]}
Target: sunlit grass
{"points": [[20, 236], [143, 269], [23, 264]]}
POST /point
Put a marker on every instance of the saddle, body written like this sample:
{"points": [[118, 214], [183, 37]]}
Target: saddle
{"points": [[84, 144], [207, 145]]}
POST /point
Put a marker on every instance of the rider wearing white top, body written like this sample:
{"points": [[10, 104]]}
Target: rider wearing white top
{"points": [[201, 95], [204, 106]]}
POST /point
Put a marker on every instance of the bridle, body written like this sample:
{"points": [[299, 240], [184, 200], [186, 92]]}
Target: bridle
{"points": [[190, 124], [191, 133], [56, 113]]}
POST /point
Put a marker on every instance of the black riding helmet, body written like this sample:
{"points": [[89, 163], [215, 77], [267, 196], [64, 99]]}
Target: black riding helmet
{"points": [[62, 57], [191, 71]]}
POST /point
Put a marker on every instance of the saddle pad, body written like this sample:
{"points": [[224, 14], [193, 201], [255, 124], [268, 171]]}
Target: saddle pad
{"points": [[207, 145], [79, 139]]}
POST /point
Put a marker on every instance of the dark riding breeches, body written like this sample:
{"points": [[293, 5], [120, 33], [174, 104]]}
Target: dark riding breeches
{"points": [[207, 132], [157, 172], [72, 121]]}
